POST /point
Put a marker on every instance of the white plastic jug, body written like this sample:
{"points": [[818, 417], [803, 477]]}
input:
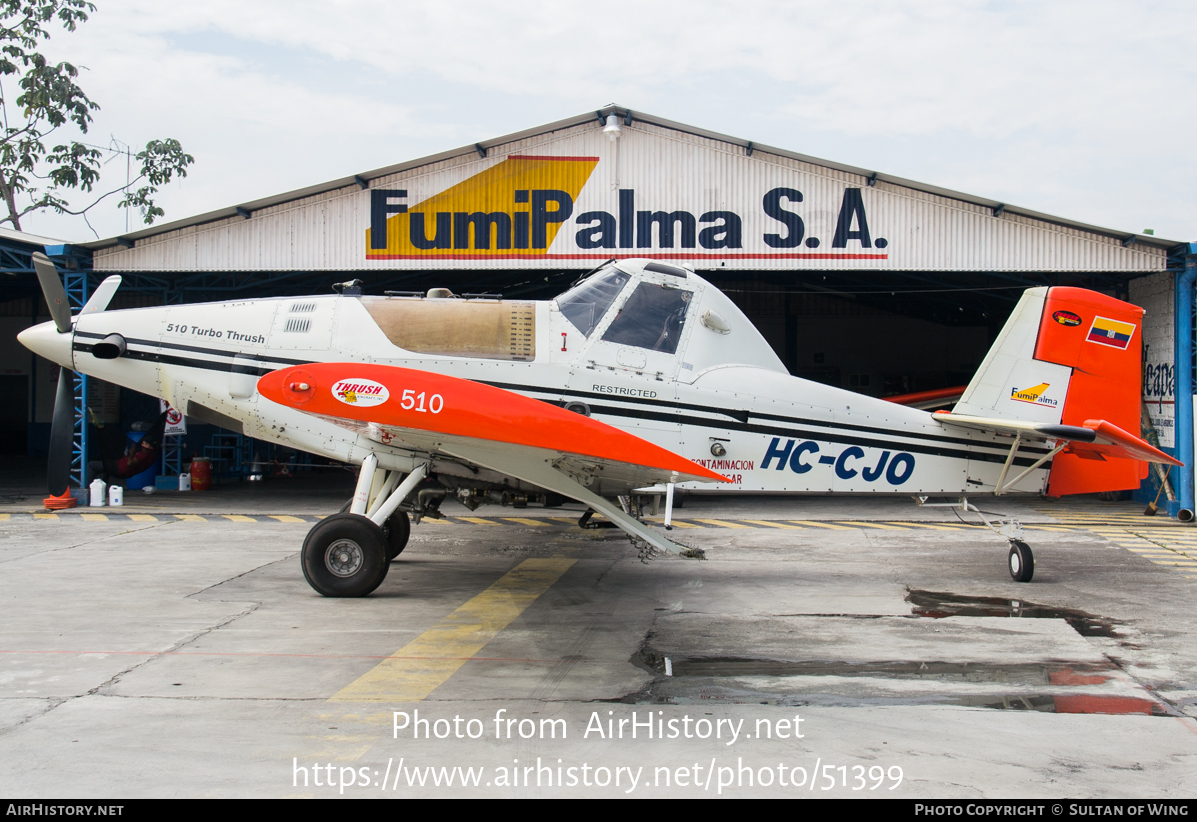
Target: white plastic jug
{"points": [[184, 482], [97, 489], [116, 495]]}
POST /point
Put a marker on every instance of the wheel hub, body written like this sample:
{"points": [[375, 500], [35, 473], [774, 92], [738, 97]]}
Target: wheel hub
{"points": [[344, 557]]}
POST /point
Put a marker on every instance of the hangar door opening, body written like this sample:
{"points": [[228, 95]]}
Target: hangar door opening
{"points": [[890, 333]]}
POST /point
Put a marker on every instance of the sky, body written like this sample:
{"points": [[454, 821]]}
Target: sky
{"points": [[1078, 109]]}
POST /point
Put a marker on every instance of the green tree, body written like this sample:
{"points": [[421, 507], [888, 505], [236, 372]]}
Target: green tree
{"points": [[37, 171]]}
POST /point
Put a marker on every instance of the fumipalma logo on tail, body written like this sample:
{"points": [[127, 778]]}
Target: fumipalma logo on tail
{"points": [[1034, 395]]}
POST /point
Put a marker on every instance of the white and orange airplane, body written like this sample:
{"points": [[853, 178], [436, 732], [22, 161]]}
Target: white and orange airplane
{"points": [[641, 378]]}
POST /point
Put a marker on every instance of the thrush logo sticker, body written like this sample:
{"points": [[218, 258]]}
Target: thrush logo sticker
{"points": [[1034, 395], [362, 393], [1068, 318]]}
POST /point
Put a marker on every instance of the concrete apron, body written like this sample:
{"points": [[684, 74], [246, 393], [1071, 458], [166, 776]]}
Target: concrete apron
{"points": [[190, 658]]}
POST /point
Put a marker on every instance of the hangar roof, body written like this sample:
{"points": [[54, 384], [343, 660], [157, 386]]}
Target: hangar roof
{"points": [[1104, 248]]}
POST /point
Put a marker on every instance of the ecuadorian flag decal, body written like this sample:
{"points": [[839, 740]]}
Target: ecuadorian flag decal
{"points": [[1113, 333]]}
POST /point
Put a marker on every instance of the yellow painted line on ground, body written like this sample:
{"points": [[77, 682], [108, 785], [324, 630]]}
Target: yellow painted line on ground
{"points": [[678, 523], [872, 525], [95, 517], [45, 516], [425, 663], [814, 524], [934, 526], [1100, 521], [479, 520], [285, 518], [142, 518], [722, 523], [190, 517], [5, 516], [525, 521], [238, 518], [769, 524], [435, 521]]}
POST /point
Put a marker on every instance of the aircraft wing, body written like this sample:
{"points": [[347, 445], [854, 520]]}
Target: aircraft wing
{"points": [[491, 427], [1093, 436], [927, 400]]}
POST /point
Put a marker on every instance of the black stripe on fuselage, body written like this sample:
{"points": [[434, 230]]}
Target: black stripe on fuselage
{"points": [[742, 416], [755, 428], [207, 365], [192, 348], [669, 412]]}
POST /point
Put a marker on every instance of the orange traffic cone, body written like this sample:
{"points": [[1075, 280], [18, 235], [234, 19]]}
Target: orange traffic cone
{"points": [[65, 500]]}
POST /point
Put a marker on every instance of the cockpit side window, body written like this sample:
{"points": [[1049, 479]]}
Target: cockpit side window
{"points": [[652, 318], [586, 304]]}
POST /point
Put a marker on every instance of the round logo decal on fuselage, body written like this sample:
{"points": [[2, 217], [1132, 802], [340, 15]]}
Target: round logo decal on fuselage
{"points": [[1067, 318], [361, 393]]}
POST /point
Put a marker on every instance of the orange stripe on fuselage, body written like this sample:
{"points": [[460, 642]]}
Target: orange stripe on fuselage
{"points": [[466, 409]]}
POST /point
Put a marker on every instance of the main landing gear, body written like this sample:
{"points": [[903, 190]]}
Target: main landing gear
{"points": [[348, 554], [1020, 561]]}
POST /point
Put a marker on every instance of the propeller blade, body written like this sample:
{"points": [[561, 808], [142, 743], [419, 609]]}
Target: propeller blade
{"points": [[102, 296], [52, 288], [62, 430]]}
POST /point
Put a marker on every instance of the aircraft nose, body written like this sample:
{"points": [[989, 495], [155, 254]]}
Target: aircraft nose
{"points": [[46, 341]]}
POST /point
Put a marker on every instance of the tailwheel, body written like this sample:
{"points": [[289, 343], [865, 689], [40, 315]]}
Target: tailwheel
{"points": [[345, 555], [398, 529], [1021, 561]]}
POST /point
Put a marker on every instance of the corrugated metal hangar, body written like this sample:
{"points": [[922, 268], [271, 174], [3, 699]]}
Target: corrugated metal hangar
{"points": [[857, 278]]}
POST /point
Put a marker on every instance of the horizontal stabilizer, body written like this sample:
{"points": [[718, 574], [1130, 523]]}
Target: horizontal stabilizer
{"points": [[1093, 436]]}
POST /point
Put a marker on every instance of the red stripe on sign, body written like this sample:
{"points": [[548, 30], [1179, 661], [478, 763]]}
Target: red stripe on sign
{"points": [[627, 256]]}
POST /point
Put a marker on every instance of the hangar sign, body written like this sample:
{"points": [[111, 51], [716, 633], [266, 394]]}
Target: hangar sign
{"points": [[539, 207]]}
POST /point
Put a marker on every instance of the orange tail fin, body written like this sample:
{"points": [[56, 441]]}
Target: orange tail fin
{"points": [[1101, 339]]}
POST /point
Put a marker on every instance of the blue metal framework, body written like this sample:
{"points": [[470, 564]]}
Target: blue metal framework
{"points": [[1186, 344], [77, 281]]}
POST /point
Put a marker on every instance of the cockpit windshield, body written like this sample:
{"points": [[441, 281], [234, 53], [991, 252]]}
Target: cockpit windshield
{"points": [[586, 303], [652, 318]]}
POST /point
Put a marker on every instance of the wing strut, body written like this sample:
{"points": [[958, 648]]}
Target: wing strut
{"points": [[1002, 486]]}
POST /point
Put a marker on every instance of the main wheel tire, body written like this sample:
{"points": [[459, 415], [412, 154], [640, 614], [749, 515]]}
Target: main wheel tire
{"points": [[345, 556], [398, 531], [1020, 561]]}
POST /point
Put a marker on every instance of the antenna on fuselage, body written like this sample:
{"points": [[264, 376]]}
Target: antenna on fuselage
{"points": [[598, 267]]}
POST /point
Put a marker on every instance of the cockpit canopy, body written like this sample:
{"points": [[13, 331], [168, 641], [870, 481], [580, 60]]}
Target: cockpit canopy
{"points": [[652, 317], [662, 308]]}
